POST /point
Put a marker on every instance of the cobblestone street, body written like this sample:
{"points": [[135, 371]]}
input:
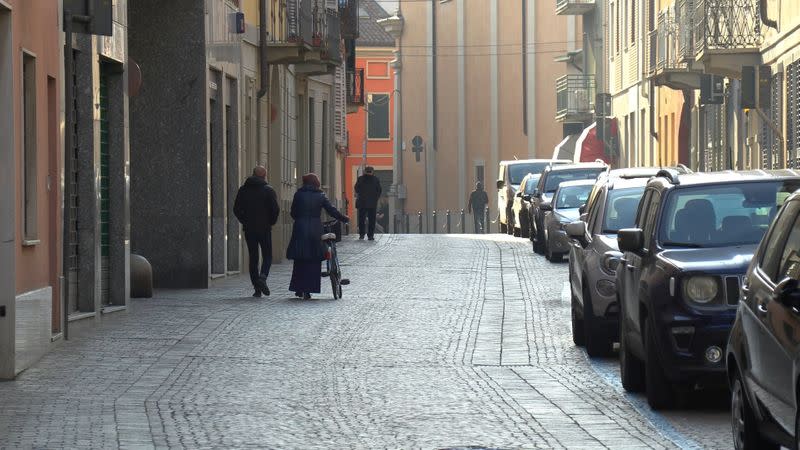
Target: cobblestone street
{"points": [[440, 341]]}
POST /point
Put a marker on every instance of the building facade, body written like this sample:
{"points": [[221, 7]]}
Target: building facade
{"points": [[371, 123], [478, 90]]}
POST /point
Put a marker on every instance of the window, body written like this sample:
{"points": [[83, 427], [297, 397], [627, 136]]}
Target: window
{"points": [[572, 197], [621, 209], [479, 173], [615, 27], [378, 116], [650, 218], [29, 146], [790, 261], [774, 246], [556, 178], [312, 131], [633, 22]]}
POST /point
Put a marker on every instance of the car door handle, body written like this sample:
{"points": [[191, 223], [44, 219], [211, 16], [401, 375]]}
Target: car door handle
{"points": [[762, 307]]}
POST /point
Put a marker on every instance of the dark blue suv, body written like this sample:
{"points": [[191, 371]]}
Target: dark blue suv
{"points": [[680, 278]]}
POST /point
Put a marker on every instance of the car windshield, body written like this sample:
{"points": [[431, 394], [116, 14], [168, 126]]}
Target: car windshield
{"points": [[722, 215], [556, 178], [530, 185], [516, 172], [572, 197], [621, 207]]}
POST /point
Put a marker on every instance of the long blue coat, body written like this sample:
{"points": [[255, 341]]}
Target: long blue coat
{"points": [[307, 206]]}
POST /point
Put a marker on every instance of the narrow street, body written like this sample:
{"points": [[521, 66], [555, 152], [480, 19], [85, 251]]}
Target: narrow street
{"points": [[439, 342]]}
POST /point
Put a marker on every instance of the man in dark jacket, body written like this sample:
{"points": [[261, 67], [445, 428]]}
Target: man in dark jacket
{"points": [[256, 207], [368, 191], [478, 200]]}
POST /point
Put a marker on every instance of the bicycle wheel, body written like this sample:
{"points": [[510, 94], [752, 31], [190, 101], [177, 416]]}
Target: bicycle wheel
{"points": [[334, 276]]}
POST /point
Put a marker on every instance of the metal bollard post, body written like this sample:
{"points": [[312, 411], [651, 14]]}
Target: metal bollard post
{"points": [[434, 222], [486, 222], [408, 223], [463, 222], [448, 221], [419, 216]]}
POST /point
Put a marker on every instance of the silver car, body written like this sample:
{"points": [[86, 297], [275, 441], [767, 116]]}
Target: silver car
{"points": [[561, 211], [594, 255]]}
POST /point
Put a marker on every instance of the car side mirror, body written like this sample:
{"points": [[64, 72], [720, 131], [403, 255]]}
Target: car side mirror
{"points": [[546, 206], [577, 231], [582, 209], [787, 292], [500, 184], [518, 194], [584, 217], [631, 240]]}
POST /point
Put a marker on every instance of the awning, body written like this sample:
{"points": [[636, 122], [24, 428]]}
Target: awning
{"points": [[588, 148], [566, 148]]}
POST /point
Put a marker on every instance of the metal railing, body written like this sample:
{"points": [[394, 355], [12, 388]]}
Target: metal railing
{"points": [[666, 53], [300, 21], [684, 10], [727, 25], [575, 95], [348, 12], [355, 87], [333, 38]]}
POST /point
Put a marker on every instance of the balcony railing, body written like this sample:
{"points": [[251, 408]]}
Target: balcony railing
{"points": [[685, 14], [300, 21], [665, 46], [332, 47], [575, 96], [726, 26], [348, 12], [355, 87], [574, 7]]}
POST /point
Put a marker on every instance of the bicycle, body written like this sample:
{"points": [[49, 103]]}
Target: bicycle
{"points": [[333, 271]]}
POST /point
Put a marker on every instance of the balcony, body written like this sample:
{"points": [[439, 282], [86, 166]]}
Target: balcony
{"points": [[326, 45], [574, 7], [348, 12], [575, 96], [292, 48], [355, 90], [671, 63], [727, 35]]}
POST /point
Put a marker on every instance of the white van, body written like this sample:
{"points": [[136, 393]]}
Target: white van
{"points": [[511, 174]]}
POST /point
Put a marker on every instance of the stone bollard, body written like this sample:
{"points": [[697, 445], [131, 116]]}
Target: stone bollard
{"points": [[463, 222], [419, 221], [434, 222], [141, 277], [448, 221]]}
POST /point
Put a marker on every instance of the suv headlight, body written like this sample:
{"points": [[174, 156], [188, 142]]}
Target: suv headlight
{"points": [[701, 289]]}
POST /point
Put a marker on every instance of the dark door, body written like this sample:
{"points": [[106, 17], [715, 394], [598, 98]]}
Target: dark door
{"points": [[781, 323]]}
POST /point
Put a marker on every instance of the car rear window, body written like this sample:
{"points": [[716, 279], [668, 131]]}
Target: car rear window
{"points": [[621, 207], [722, 215], [516, 172], [556, 178]]}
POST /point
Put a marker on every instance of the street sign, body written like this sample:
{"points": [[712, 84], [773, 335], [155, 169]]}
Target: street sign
{"points": [[416, 146], [98, 12]]}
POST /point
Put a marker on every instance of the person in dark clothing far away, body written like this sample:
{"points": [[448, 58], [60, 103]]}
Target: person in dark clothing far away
{"points": [[478, 200], [306, 248], [368, 191], [256, 207]]}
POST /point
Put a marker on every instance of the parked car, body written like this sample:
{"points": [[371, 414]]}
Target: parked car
{"points": [[678, 283], [563, 210], [521, 205], [594, 256], [548, 184], [763, 354], [508, 181]]}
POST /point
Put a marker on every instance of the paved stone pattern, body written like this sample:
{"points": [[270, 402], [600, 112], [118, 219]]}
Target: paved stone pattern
{"points": [[440, 341]]}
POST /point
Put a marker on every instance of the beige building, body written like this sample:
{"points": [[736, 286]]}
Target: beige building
{"points": [[478, 87]]}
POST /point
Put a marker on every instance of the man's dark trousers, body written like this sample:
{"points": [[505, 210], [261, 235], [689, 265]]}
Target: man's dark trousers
{"points": [[366, 215], [256, 240], [478, 218]]}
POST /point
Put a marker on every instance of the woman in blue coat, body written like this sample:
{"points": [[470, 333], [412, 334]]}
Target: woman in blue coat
{"points": [[306, 248]]}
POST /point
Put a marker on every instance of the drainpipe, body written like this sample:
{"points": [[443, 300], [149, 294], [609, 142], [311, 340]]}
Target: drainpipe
{"points": [[263, 75], [762, 8]]}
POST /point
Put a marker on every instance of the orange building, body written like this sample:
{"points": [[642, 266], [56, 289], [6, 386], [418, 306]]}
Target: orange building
{"points": [[373, 120]]}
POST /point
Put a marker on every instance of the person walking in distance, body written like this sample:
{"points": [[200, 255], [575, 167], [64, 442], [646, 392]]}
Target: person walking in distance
{"points": [[478, 201], [256, 207], [368, 191]]}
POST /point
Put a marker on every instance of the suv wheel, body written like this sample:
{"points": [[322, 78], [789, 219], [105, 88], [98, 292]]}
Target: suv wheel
{"points": [[549, 254], [597, 342], [660, 393], [630, 368], [538, 245], [577, 324], [743, 421]]}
